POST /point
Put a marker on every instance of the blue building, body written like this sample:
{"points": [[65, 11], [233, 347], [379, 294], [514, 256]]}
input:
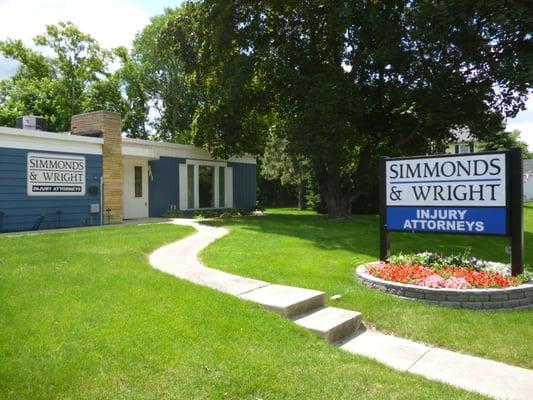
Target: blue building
{"points": [[92, 175]]}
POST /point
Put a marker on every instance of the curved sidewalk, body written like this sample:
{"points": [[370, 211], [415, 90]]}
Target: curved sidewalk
{"points": [[306, 308]]}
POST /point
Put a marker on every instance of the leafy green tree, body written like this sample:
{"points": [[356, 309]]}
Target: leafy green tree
{"points": [[506, 141], [136, 113], [278, 163], [70, 81], [164, 73], [356, 79], [7, 115]]}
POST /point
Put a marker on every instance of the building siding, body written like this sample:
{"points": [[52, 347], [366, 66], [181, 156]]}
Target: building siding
{"points": [[244, 185], [528, 190], [528, 183], [22, 212], [163, 186]]}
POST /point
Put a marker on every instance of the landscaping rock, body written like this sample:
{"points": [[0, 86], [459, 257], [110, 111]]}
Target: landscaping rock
{"points": [[489, 299]]}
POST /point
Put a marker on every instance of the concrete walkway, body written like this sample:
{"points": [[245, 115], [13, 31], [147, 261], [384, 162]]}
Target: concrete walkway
{"points": [[306, 308]]}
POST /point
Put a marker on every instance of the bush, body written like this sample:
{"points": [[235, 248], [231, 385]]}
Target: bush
{"points": [[173, 212]]}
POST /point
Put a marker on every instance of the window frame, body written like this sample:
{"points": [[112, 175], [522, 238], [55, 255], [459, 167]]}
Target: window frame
{"points": [[211, 174], [464, 146], [221, 187], [218, 169], [138, 187], [190, 185]]}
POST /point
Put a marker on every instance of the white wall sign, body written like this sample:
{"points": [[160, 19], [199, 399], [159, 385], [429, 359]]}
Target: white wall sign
{"points": [[474, 180], [55, 175]]}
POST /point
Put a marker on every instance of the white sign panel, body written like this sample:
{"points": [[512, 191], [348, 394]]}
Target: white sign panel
{"points": [[473, 180], [55, 175]]}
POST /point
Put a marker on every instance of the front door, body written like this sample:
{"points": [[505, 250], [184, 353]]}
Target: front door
{"points": [[135, 188]]}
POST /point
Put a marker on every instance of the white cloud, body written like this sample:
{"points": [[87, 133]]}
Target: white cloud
{"points": [[111, 22]]}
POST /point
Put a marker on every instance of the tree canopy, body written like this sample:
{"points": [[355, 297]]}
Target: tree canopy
{"points": [[355, 80], [319, 88], [506, 141], [165, 76], [74, 78]]}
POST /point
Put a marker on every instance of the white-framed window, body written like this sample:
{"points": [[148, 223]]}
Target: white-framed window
{"points": [[138, 180], [205, 185], [463, 148]]}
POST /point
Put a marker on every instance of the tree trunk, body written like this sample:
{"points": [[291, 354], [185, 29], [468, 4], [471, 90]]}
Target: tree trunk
{"points": [[338, 200], [339, 205], [301, 196]]}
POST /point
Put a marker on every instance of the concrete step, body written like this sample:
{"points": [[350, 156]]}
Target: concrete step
{"points": [[286, 300], [331, 323]]}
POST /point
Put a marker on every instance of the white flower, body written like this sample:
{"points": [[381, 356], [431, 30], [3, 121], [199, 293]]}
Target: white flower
{"points": [[504, 269]]}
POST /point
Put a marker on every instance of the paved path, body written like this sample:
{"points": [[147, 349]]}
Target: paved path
{"points": [[476, 374]]}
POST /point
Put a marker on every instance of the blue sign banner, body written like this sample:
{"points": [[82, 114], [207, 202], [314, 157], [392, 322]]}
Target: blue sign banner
{"points": [[467, 220]]}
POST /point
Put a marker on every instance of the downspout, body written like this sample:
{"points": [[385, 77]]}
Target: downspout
{"points": [[102, 200]]}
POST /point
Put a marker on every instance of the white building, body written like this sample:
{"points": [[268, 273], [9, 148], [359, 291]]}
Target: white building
{"points": [[528, 180]]}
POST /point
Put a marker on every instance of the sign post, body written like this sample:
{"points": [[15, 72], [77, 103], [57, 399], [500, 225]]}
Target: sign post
{"points": [[384, 242], [517, 211], [470, 194]]}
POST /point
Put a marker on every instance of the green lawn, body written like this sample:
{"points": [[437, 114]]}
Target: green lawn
{"points": [[307, 250], [83, 316]]}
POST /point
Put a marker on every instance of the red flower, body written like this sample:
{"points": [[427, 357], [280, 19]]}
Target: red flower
{"points": [[414, 274]]}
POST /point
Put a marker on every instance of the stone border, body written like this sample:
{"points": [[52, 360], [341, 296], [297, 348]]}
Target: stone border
{"points": [[516, 297]]}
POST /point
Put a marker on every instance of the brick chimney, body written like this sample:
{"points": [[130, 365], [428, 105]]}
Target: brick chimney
{"points": [[108, 125]]}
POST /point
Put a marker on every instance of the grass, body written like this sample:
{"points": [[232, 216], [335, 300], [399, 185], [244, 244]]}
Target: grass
{"points": [[83, 316], [307, 250]]}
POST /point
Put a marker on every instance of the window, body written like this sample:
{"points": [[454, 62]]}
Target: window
{"points": [[221, 187], [190, 186], [463, 148], [138, 181], [206, 186]]}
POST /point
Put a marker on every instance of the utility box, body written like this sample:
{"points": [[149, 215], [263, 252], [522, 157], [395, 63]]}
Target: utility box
{"points": [[32, 122], [95, 208]]}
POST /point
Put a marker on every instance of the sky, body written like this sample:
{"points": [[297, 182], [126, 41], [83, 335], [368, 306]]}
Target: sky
{"points": [[115, 23], [111, 22]]}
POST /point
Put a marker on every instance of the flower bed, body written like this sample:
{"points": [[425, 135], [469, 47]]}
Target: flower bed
{"points": [[454, 272], [459, 281]]}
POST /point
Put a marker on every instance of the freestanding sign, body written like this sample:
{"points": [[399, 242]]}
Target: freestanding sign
{"points": [[475, 194], [55, 175]]}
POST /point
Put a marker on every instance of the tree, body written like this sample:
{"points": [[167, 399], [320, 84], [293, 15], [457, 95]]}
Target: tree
{"points": [[7, 115], [61, 85], [136, 114], [354, 80], [506, 141], [278, 163], [165, 73]]}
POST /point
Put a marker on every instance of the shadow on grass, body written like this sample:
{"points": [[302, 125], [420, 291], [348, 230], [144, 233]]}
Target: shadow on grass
{"points": [[360, 235], [355, 235]]}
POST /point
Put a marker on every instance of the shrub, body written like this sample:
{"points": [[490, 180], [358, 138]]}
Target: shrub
{"points": [[173, 212]]}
